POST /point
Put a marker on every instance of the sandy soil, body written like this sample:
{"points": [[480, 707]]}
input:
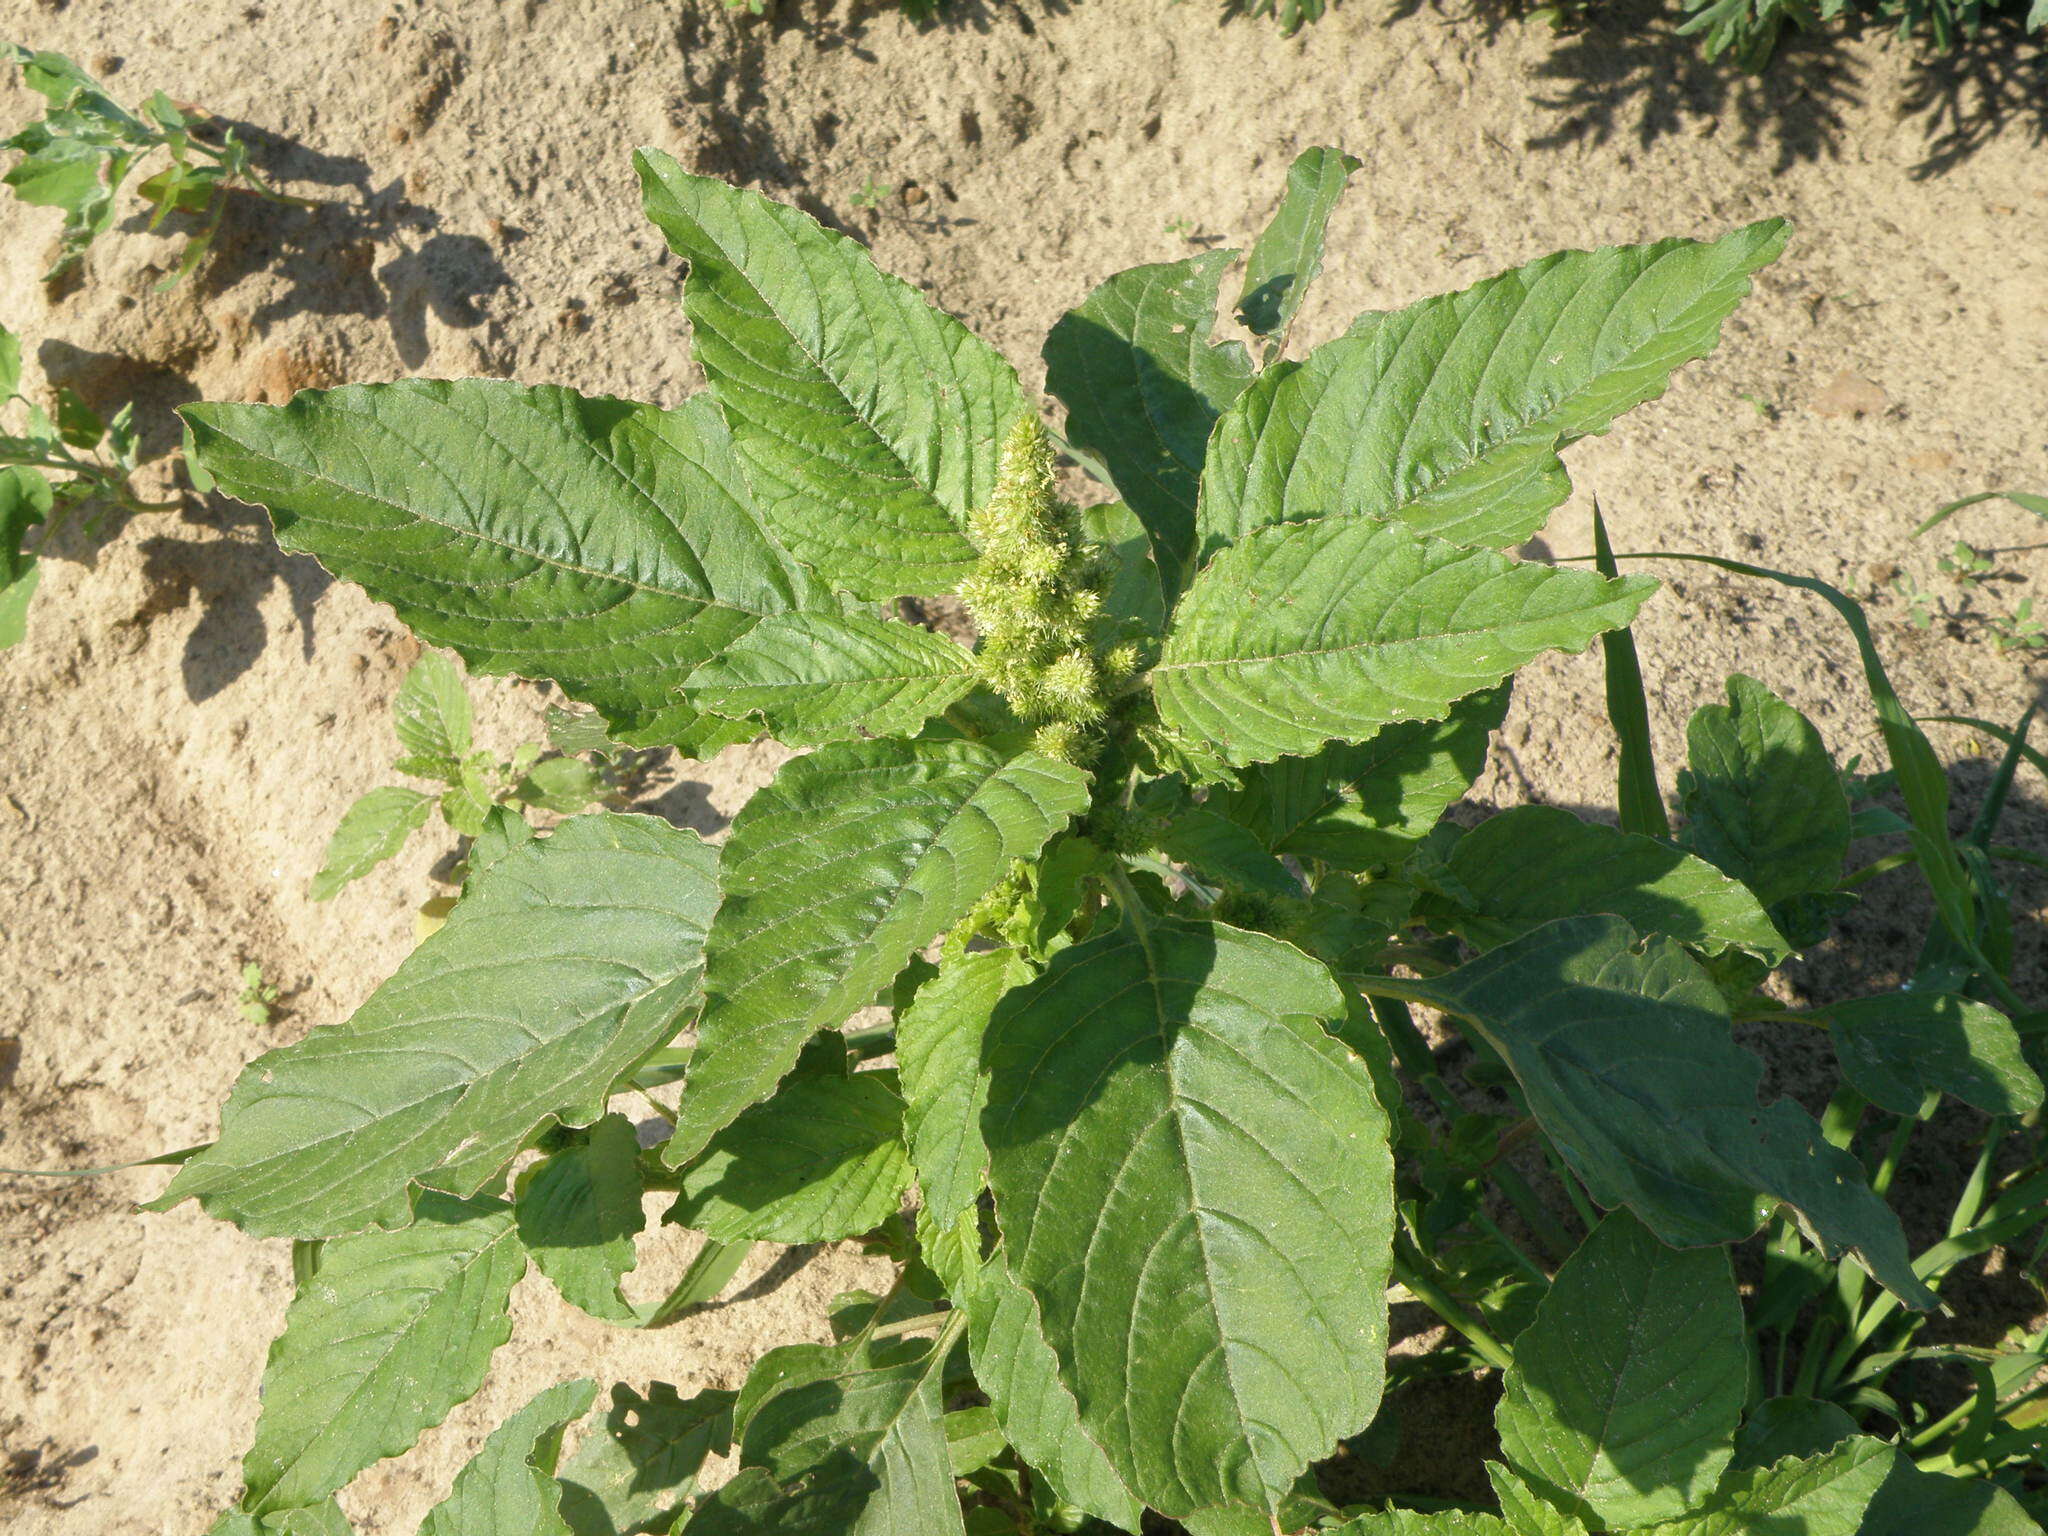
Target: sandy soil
{"points": [[191, 711]]}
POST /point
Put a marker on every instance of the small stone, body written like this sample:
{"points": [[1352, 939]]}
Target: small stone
{"points": [[1850, 394], [1934, 458]]}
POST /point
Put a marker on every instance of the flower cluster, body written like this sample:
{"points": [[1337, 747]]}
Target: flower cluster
{"points": [[1035, 596]]}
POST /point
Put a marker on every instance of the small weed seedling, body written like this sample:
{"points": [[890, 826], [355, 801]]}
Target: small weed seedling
{"points": [[85, 146], [259, 997], [432, 718], [872, 193], [1973, 571], [1148, 882]]}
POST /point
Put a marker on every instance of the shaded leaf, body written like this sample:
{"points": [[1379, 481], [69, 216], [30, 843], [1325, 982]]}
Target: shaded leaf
{"points": [[565, 962], [508, 1488], [1627, 1383], [578, 1211], [868, 420], [632, 1471], [1287, 257], [836, 873], [1898, 1047], [1193, 1183], [821, 1160], [1329, 630], [1143, 385], [1623, 1050]]}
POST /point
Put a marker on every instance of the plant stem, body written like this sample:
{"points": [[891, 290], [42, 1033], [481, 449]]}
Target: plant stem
{"points": [[1418, 1276]]}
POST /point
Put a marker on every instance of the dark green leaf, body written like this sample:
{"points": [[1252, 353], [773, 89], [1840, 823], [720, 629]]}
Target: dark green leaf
{"points": [[508, 1488], [579, 1209], [632, 1471], [1287, 257], [1898, 1047]]}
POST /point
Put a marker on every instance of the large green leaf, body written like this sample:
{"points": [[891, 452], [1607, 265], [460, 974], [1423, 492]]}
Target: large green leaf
{"points": [[851, 861], [1898, 1047], [1624, 1052], [1357, 805], [394, 1330], [1536, 863], [508, 1488], [818, 677], [1329, 630], [1287, 257], [1824, 1495], [633, 1470], [579, 1210], [821, 1160], [1627, 1384], [565, 962], [938, 1048], [868, 420], [1193, 1183], [1447, 415], [1914, 1503], [1761, 797], [1143, 385], [608, 546], [863, 1419], [1018, 1370]]}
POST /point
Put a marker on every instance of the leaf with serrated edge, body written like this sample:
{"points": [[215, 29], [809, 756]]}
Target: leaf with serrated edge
{"points": [[837, 1412], [821, 1160], [1761, 797], [938, 1048], [1898, 1047], [633, 1470], [1193, 1183], [1627, 1384], [848, 863], [1623, 1050], [1535, 863], [508, 1488], [431, 715], [1287, 257], [1143, 385], [815, 677], [868, 420], [1824, 1495], [394, 1330], [578, 1210], [1447, 415], [1357, 805], [372, 830], [1327, 631], [608, 546], [564, 963]]}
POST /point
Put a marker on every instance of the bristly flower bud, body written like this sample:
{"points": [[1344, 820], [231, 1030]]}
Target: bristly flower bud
{"points": [[1035, 595]]}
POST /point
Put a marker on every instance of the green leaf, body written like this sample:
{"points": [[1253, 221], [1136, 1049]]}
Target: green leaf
{"points": [[815, 677], [1527, 1512], [1761, 797], [431, 713], [1627, 1384], [821, 1160], [1898, 1047], [1330, 630], [1639, 803], [578, 1211], [1287, 257], [508, 1488], [1215, 848], [632, 1472], [868, 421], [868, 1421], [372, 830], [1018, 1370], [565, 962], [394, 1330], [938, 1048], [1824, 1495], [1354, 806], [1395, 1521], [1143, 386], [607, 546], [1193, 1183], [10, 363], [1134, 606], [563, 784], [25, 500], [322, 1519], [1447, 415], [1536, 863], [1790, 1426], [1914, 1503], [836, 873], [754, 1504], [1623, 1049]]}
